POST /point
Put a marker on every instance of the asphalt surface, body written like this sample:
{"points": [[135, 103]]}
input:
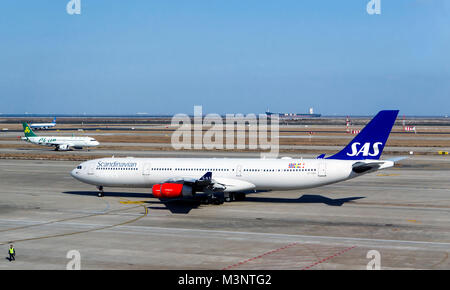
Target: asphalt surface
{"points": [[403, 213]]}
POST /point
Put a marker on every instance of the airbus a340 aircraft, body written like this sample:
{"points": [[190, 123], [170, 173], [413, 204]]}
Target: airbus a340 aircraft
{"points": [[228, 179], [62, 143], [43, 125]]}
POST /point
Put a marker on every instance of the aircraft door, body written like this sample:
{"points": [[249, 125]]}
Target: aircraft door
{"points": [[146, 170], [239, 170], [91, 169], [322, 170]]}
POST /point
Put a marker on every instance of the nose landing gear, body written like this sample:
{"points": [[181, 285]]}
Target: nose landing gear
{"points": [[100, 192]]}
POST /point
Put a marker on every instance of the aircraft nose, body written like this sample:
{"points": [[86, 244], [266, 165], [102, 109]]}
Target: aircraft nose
{"points": [[74, 173]]}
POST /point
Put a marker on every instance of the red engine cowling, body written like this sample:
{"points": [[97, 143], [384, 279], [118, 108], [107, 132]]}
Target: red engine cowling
{"points": [[156, 190], [171, 190]]}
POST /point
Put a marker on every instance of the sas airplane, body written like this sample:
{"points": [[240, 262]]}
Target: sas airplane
{"points": [[62, 143], [40, 126], [219, 180]]}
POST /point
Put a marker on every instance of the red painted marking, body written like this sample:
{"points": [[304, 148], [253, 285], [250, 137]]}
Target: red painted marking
{"points": [[328, 258], [260, 256]]}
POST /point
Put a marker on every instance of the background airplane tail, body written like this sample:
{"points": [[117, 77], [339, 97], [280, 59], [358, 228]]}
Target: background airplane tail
{"points": [[369, 143], [27, 130]]}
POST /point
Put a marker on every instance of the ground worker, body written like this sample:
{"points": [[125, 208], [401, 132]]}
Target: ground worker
{"points": [[12, 253]]}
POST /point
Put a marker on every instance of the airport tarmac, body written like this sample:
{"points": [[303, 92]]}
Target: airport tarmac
{"points": [[294, 140], [403, 213], [109, 148]]}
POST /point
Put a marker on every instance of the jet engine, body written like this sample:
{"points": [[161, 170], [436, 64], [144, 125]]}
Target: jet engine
{"points": [[62, 147], [171, 190]]}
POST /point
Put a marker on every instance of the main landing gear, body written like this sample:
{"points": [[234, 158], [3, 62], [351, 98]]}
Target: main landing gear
{"points": [[234, 196], [100, 191], [220, 198], [215, 198]]}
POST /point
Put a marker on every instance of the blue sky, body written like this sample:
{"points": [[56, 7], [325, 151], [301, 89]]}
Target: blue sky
{"points": [[230, 56]]}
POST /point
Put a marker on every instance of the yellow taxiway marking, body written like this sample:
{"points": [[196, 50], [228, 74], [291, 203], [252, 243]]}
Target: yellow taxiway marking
{"points": [[392, 174], [131, 202], [413, 221]]}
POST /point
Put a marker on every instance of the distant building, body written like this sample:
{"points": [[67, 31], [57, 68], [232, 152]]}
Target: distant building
{"points": [[294, 115]]}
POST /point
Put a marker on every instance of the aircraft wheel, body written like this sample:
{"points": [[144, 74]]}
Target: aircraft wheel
{"points": [[100, 193], [218, 201], [239, 196], [229, 197]]}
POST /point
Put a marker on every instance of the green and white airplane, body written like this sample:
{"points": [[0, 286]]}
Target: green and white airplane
{"points": [[62, 143]]}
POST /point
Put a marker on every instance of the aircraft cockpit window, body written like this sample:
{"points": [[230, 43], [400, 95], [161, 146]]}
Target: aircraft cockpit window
{"points": [[79, 167]]}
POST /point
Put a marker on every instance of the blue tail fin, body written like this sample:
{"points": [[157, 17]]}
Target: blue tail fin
{"points": [[369, 143], [54, 120]]}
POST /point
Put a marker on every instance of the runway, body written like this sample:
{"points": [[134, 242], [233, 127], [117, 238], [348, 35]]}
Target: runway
{"points": [[403, 213]]}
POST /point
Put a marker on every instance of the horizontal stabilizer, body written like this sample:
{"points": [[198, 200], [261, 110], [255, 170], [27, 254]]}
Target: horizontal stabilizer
{"points": [[361, 167], [370, 166], [395, 159]]}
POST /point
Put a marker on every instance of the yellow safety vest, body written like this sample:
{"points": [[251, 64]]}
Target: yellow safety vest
{"points": [[11, 251]]}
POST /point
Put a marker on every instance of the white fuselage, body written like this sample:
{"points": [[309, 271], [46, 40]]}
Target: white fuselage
{"points": [[234, 174], [63, 140], [42, 125]]}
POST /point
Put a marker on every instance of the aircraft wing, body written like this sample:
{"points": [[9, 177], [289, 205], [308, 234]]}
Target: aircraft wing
{"points": [[62, 144], [207, 183]]}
